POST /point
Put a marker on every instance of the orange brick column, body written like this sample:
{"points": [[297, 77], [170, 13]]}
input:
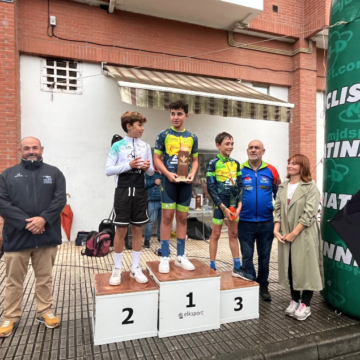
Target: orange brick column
{"points": [[302, 132], [9, 88]]}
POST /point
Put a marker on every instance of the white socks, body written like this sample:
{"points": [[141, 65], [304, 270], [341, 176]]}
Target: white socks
{"points": [[117, 260], [135, 259]]}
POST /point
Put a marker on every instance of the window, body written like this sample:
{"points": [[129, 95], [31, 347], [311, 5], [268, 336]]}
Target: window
{"points": [[61, 76], [199, 184], [261, 88]]}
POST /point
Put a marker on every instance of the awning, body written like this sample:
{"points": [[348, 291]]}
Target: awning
{"points": [[205, 95]]}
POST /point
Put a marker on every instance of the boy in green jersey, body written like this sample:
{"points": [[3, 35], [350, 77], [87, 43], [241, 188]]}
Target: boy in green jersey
{"points": [[225, 187], [175, 196]]}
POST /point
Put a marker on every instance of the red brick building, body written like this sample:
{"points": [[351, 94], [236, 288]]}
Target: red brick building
{"points": [[133, 37]]}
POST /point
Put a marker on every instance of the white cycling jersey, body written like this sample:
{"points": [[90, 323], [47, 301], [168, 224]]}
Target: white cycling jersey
{"points": [[118, 162]]}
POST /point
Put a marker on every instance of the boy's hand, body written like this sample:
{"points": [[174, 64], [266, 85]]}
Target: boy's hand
{"points": [[238, 210], [146, 165], [172, 177], [227, 213], [190, 178], [157, 182], [137, 163]]}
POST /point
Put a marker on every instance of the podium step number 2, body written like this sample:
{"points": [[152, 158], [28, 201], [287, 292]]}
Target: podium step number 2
{"points": [[119, 313]]}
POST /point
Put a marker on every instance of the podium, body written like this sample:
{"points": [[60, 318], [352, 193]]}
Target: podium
{"points": [[239, 299], [125, 312], [189, 300]]}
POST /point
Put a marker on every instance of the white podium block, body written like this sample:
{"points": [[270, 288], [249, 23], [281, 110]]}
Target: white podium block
{"points": [[125, 312], [239, 299], [189, 300]]}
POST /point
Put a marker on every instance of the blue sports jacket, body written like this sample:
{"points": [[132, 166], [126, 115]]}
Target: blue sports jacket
{"points": [[153, 189], [259, 188]]}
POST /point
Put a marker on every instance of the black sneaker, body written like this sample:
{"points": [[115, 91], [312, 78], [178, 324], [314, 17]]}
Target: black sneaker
{"points": [[147, 244], [264, 293], [241, 273]]}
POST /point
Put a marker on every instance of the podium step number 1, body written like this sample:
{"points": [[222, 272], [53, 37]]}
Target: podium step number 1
{"points": [[124, 312], [189, 300]]}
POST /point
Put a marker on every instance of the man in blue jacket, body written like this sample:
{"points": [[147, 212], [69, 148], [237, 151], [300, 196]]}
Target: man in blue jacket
{"points": [[260, 184], [153, 185], [32, 196]]}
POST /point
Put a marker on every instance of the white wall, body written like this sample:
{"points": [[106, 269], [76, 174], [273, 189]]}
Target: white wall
{"points": [[320, 134], [76, 131]]}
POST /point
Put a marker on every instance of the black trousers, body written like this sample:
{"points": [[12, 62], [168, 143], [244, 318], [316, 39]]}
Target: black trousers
{"points": [[296, 295]]}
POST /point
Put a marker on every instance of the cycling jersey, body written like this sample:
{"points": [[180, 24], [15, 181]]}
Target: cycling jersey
{"points": [[260, 188], [223, 178], [118, 162], [168, 144]]}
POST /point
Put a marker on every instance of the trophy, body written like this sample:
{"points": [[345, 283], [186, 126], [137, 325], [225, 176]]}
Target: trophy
{"points": [[183, 165]]}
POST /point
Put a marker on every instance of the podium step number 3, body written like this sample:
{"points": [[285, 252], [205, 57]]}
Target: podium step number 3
{"points": [[124, 312], [239, 299]]}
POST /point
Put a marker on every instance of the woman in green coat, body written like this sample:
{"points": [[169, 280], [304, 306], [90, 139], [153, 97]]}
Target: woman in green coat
{"points": [[296, 228]]}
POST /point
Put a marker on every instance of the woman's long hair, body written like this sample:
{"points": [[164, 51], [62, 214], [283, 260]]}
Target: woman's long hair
{"points": [[304, 163]]}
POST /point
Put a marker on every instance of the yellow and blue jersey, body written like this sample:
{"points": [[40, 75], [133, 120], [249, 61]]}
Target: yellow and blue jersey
{"points": [[224, 181], [169, 142]]}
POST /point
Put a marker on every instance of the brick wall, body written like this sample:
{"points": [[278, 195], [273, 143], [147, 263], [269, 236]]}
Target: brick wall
{"points": [[148, 34], [9, 88]]}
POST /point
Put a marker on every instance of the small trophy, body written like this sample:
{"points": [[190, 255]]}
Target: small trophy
{"points": [[198, 202], [183, 165]]}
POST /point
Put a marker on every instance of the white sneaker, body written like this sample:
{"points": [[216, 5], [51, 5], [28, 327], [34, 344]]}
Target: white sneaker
{"points": [[164, 267], [138, 275], [290, 311], [115, 278], [303, 312], [183, 262]]}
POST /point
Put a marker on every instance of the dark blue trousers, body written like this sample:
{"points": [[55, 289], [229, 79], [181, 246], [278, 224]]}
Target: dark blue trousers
{"points": [[262, 233]]}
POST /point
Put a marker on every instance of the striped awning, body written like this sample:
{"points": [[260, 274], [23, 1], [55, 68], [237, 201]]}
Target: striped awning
{"points": [[205, 95]]}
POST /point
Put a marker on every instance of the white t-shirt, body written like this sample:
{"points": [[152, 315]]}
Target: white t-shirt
{"points": [[290, 191]]}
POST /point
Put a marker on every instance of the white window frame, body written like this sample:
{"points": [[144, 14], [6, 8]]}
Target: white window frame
{"points": [[61, 80]]}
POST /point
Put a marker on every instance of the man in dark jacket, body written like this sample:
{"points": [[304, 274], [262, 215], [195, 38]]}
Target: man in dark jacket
{"points": [[152, 185], [32, 196]]}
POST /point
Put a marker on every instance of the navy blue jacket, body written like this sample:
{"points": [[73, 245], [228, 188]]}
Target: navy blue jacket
{"points": [[31, 189], [259, 189], [153, 189]]}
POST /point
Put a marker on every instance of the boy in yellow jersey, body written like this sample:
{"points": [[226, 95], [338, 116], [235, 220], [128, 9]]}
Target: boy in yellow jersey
{"points": [[175, 196], [224, 185]]}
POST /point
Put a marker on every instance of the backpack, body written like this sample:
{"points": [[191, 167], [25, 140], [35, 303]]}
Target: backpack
{"points": [[97, 244], [115, 139]]}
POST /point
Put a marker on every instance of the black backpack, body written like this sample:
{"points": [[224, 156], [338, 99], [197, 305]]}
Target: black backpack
{"points": [[115, 139]]}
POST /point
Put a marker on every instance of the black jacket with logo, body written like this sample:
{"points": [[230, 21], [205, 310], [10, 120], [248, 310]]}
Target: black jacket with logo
{"points": [[29, 189]]}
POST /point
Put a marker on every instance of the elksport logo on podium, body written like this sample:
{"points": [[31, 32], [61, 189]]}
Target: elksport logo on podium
{"points": [[190, 313]]}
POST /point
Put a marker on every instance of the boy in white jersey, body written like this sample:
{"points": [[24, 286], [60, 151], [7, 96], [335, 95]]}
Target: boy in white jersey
{"points": [[128, 160]]}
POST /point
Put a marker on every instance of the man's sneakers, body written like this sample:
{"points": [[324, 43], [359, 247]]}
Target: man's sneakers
{"points": [[138, 275], [49, 319], [7, 328], [291, 309], [115, 278], [164, 267], [183, 262], [302, 313], [241, 273], [146, 244], [264, 293]]}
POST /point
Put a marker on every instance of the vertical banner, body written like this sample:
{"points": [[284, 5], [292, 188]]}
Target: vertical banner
{"points": [[342, 153]]}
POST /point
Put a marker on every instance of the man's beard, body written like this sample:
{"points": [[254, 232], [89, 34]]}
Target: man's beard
{"points": [[33, 157]]}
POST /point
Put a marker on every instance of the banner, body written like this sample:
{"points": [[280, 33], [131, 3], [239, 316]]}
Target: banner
{"points": [[342, 154]]}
